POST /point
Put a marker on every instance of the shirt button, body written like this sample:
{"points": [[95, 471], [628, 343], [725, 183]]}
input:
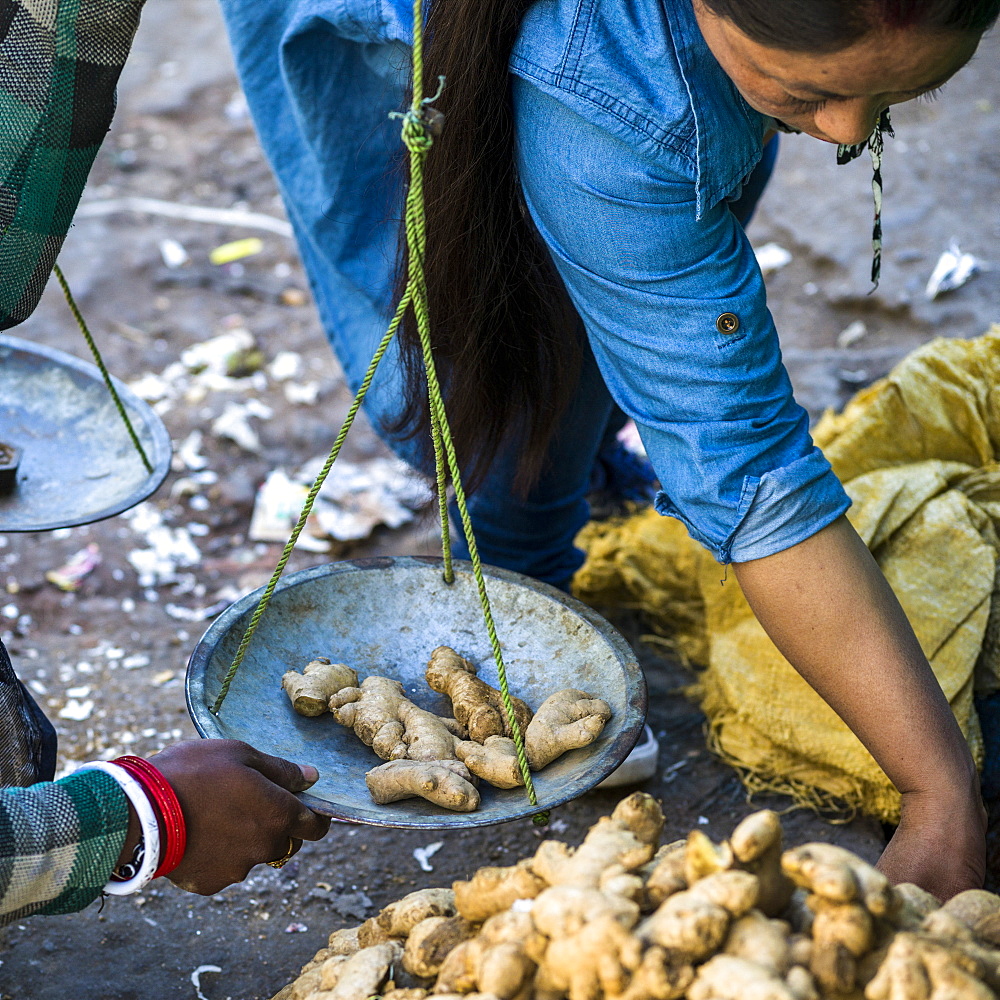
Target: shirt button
{"points": [[727, 323]]}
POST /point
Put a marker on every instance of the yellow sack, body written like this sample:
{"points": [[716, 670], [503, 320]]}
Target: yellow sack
{"points": [[917, 454]]}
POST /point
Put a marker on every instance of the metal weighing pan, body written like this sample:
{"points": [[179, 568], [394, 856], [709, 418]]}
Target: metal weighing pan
{"points": [[385, 616], [77, 461]]}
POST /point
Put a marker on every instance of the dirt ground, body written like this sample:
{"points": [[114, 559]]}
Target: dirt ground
{"points": [[182, 135]]}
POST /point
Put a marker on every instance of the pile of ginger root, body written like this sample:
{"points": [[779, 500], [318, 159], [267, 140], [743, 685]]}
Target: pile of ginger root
{"points": [[438, 758], [621, 917]]}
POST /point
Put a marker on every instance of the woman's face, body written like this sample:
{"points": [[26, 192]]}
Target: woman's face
{"points": [[837, 96]]}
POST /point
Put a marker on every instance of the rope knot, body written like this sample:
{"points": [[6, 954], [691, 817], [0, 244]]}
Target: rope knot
{"points": [[422, 124], [416, 135]]}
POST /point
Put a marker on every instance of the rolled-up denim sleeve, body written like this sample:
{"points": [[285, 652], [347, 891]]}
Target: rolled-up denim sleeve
{"points": [[657, 289]]}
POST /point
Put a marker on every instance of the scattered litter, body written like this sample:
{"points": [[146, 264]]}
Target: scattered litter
{"points": [[629, 436], [152, 388], [9, 611], [69, 576], [810, 288], [234, 423], [78, 692], [302, 394], [852, 334], [77, 711], [38, 687], [702, 821], [669, 773], [237, 110], [135, 661], [189, 452], [558, 826], [355, 499], [191, 213], [286, 365], [196, 978], [243, 364], [173, 253], [237, 250], [352, 905], [169, 549], [953, 270], [854, 376], [771, 257], [293, 297], [162, 677], [424, 854], [276, 510], [296, 928], [214, 354], [183, 614]]}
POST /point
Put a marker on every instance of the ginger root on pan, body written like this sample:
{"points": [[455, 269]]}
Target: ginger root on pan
{"points": [[399, 731], [475, 704], [446, 783], [393, 726], [566, 720], [310, 691]]}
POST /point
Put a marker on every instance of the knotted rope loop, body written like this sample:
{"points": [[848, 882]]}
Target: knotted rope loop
{"points": [[422, 124], [416, 136]]}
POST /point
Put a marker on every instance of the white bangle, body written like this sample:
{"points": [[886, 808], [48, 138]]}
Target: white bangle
{"points": [[147, 821]]}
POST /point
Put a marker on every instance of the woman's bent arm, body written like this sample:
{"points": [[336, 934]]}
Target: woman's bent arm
{"points": [[828, 608]]}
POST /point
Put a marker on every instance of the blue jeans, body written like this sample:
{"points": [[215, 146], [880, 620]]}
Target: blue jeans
{"points": [[535, 535]]}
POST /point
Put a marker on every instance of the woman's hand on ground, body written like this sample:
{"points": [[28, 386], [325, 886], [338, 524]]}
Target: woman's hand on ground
{"points": [[239, 809], [940, 843]]}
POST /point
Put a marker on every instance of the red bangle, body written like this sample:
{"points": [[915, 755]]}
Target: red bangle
{"points": [[173, 831]]}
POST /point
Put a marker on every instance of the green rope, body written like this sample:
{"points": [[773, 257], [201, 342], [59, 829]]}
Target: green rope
{"points": [[310, 500], [119, 405], [418, 141]]}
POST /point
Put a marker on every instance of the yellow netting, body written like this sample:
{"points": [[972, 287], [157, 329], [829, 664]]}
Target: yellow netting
{"points": [[917, 452]]}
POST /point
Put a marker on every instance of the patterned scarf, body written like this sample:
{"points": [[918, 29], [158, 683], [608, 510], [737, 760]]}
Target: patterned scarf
{"points": [[875, 144]]}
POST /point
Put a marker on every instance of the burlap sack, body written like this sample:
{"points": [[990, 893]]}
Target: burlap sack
{"points": [[917, 453]]}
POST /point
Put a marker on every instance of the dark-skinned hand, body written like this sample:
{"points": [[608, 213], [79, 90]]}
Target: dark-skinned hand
{"points": [[239, 808], [940, 843]]}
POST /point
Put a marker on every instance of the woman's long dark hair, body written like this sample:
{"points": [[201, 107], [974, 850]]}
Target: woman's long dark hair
{"points": [[504, 334], [830, 25], [506, 340]]}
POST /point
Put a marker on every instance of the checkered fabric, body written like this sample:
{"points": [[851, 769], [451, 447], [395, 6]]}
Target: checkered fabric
{"points": [[59, 843], [27, 739], [59, 65]]}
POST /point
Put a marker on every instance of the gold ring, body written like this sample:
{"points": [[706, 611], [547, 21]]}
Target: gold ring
{"points": [[281, 862]]}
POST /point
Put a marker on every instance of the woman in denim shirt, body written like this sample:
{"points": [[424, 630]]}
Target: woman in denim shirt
{"points": [[599, 161]]}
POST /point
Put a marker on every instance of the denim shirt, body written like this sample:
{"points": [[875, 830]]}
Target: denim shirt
{"points": [[631, 143]]}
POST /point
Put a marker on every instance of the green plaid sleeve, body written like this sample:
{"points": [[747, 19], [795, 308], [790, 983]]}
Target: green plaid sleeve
{"points": [[59, 843], [59, 65]]}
